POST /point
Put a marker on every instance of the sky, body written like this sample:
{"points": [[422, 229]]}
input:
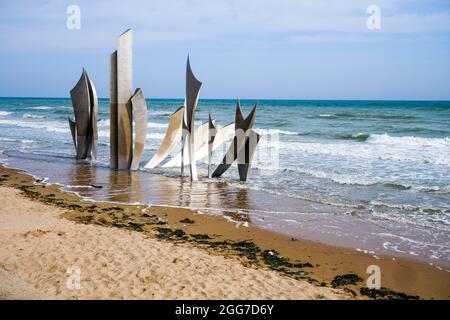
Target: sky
{"points": [[254, 49]]}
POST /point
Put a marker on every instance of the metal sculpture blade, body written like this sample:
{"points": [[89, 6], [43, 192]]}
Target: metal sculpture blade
{"points": [[211, 136], [113, 110], [139, 107], [124, 92], [94, 119], [242, 131], [246, 156], [80, 102], [84, 127], [192, 93], [73, 131], [223, 134], [170, 140], [201, 134]]}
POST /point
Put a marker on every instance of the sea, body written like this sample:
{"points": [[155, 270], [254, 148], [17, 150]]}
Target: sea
{"points": [[368, 175]]}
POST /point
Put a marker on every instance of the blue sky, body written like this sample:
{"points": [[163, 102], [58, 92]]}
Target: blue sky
{"points": [[287, 49]]}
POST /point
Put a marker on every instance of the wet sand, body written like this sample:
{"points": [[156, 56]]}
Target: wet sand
{"points": [[122, 235], [343, 226]]}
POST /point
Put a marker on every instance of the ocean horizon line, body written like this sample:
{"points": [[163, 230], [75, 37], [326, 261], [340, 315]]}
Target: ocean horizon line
{"points": [[242, 99]]}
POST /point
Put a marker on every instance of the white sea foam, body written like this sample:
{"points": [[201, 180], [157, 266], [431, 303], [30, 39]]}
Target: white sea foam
{"points": [[5, 113], [103, 133], [33, 116], [381, 147], [41, 108], [157, 125], [326, 115], [53, 126], [409, 141], [262, 131], [103, 123]]}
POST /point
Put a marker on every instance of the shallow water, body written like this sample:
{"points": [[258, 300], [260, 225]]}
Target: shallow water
{"points": [[365, 174]]}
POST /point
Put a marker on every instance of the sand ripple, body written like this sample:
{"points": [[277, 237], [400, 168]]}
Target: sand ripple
{"points": [[38, 248]]}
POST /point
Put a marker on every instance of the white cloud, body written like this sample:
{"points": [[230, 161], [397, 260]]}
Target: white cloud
{"points": [[41, 24]]}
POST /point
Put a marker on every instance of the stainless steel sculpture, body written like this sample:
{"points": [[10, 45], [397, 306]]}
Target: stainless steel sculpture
{"points": [[121, 109], [238, 147], [84, 127], [246, 155], [223, 134], [113, 110], [201, 134], [192, 94], [170, 140], [121, 135], [211, 136], [124, 92], [139, 107], [94, 119]]}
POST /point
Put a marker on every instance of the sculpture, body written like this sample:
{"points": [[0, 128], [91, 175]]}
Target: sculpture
{"points": [[139, 108], [201, 135], [243, 144], [211, 137], [84, 127], [122, 105], [245, 157], [182, 127], [192, 94], [170, 140]]}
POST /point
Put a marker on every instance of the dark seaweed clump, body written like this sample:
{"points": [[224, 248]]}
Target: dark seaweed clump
{"points": [[169, 234], [187, 221], [386, 294], [200, 236], [247, 249], [346, 279], [273, 259], [3, 177]]}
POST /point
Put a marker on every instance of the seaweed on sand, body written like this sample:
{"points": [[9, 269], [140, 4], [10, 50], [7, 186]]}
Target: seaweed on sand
{"points": [[386, 294], [346, 279], [273, 259], [169, 234], [187, 221]]}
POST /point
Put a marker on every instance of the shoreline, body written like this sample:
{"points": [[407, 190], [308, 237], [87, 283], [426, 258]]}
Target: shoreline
{"points": [[250, 247]]}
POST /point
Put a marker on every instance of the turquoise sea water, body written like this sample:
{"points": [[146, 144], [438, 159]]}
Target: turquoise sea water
{"points": [[382, 161]]}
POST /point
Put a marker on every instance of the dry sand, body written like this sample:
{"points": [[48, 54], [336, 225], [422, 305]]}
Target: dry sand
{"points": [[38, 247]]}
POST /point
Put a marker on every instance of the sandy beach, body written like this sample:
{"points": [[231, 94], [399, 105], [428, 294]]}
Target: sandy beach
{"points": [[138, 252], [38, 247]]}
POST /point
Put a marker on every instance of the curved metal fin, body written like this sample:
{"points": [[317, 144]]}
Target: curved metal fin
{"points": [[211, 136], [81, 107], [247, 123], [238, 118], [139, 107], [192, 92], [193, 86], [201, 135], [93, 99], [170, 140], [246, 154], [242, 131], [113, 110], [124, 93], [73, 131]]}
